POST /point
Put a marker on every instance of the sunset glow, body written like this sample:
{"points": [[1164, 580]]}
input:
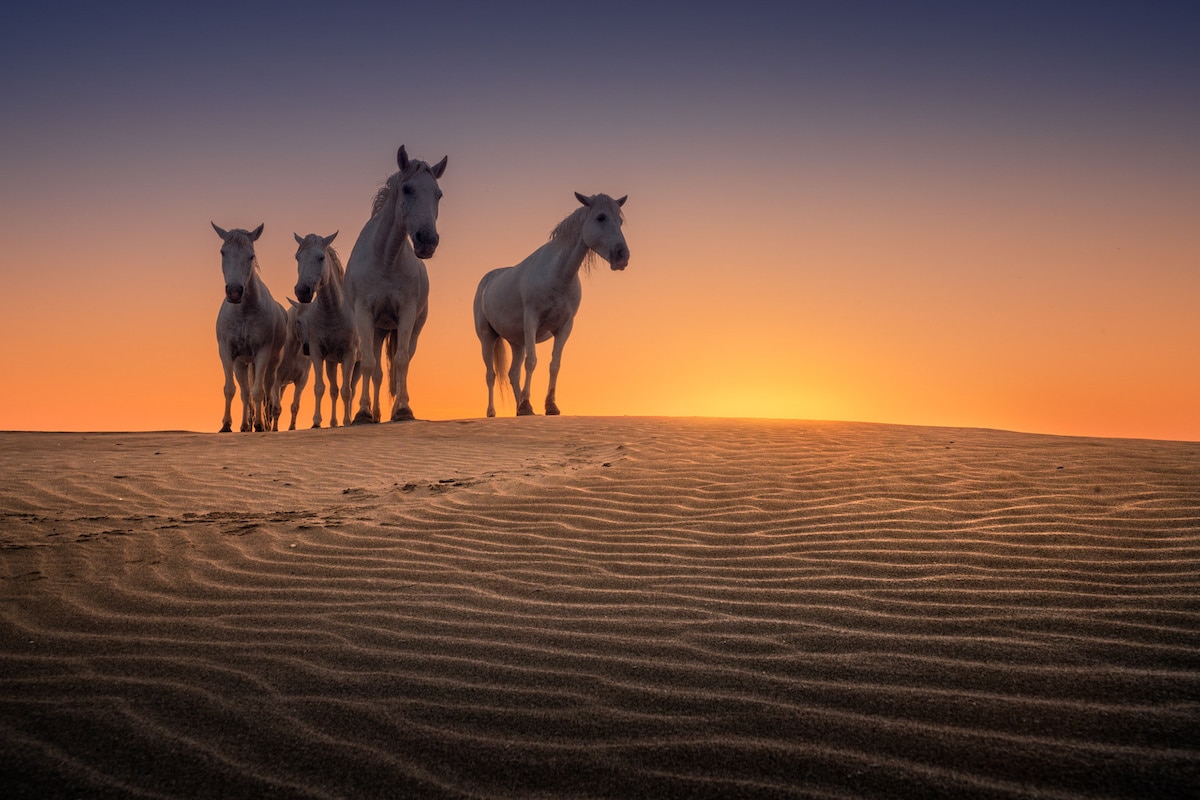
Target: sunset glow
{"points": [[981, 218]]}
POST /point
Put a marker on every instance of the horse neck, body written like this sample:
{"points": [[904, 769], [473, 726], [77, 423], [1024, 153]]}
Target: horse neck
{"points": [[255, 291], [390, 236], [331, 294], [567, 258]]}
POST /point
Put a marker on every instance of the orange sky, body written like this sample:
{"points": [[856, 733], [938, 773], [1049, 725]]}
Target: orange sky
{"points": [[1017, 254]]}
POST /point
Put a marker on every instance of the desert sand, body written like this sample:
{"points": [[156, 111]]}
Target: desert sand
{"points": [[599, 607]]}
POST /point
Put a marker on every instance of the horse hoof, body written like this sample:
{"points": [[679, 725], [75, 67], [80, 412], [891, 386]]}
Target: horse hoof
{"points": [[226, 429], [316, 426], [402, 415], [363, 418], [525, 409], [552, 410]]}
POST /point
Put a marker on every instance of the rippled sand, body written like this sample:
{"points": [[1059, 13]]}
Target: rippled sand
{"points": [[599, 607]]}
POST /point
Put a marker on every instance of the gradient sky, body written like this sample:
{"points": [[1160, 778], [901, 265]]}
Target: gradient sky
{"points": [[969, 214]]}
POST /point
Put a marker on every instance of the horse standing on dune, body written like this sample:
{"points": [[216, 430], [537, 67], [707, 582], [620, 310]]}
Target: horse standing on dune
{"points": [[326, 323], [293, 366], [386, 282], [251, 328], [539, 297]]}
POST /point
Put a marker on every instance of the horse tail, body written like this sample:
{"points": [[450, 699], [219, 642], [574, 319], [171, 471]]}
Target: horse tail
{"points": [[390, 345], [500, 364]]}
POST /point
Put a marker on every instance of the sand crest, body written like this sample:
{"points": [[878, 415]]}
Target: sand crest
{"points": [[585, 607]]}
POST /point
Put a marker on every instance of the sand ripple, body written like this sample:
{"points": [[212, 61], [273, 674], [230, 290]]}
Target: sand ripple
{"points": [[600, 607]]}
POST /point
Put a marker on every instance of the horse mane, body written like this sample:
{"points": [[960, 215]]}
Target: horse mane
{"points": [[336, 264], [392, 184], [380, 198]]}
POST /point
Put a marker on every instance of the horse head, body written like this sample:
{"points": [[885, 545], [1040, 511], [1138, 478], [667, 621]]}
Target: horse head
{"points": [[237, 259], [417, 206], [602, 228], [311, 268]]}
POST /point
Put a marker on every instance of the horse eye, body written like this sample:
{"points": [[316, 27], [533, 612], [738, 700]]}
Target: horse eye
{"points": [[601, 218], [222, 251], [321, 259], [408, 190]]}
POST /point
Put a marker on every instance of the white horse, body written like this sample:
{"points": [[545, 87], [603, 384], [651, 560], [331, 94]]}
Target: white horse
{"points": [[251, 328], [538, 298], [293, 366], [326, 327], [386, 281]]}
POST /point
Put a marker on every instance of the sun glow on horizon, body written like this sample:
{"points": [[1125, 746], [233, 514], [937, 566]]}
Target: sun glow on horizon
{"points": [[985, 219]]}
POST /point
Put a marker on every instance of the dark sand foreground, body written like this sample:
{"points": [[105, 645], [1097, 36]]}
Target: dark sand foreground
{"points": [[587, 607]]}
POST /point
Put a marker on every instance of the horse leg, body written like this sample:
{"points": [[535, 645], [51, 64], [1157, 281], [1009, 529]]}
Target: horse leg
{"points": [[350, 377], [560, 339], [418, 326], [514, 379], [377, 379], [273, 389], [488, 339], [260, 391], [227, 420], [372, 376], [318, 384], [242, 370], [331, 374], [301, 382], [407, 332], [370, 343], [531, 323]]}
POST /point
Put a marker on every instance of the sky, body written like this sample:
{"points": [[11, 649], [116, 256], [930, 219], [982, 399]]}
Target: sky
{"points": [[935, 213]]}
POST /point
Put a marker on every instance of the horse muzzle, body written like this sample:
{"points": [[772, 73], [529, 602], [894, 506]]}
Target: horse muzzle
{"points": [[425, 244], [618, 259], [304, 293], [234, 294]]}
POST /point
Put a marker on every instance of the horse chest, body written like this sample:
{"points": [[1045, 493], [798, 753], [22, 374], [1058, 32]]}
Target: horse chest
{"points": [[388, 308], [549, 324], [245, 334], [335, 342], [245, 343], [557, 312]]}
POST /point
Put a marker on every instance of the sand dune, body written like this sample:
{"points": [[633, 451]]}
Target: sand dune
{"points": [[584, 607]]}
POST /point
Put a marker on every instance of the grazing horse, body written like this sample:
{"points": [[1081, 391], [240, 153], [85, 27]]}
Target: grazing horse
{"points": [[386, 282], [326, 326], [538, 298], [293, 366], [251, 328]]}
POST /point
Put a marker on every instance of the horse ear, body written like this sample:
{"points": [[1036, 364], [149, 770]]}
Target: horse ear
{"points": [[328, 240], [257, 232], [621, 202], [402, 158], [293, 303], [587, 202], [440, 167], [298, 239], [224, 234]]}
